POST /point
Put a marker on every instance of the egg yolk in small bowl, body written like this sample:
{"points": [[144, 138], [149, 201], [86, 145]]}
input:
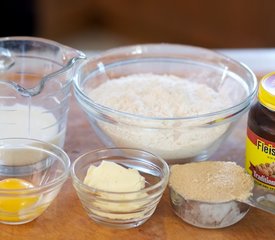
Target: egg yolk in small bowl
{"points": [[17, 208]]}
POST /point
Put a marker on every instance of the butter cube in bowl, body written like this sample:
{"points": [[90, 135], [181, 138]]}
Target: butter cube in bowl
{"points": [[119, 187]]}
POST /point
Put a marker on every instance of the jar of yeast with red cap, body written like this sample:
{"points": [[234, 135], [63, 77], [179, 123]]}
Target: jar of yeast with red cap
{"points": [[260, 142]]}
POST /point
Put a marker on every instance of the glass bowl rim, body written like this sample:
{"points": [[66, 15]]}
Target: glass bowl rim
{"points": [[57, 181], [202, 201], [228, 112], [162, 183]]}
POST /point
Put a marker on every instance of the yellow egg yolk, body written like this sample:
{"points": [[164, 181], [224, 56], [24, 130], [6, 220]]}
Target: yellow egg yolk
{"points": [[12, 205]]}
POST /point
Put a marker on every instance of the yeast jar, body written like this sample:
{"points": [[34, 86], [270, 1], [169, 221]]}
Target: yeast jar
{"points": [[260, 144]]}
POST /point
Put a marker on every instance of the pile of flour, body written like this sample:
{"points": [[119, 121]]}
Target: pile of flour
{"points": [[163, 96], [152, 95]]}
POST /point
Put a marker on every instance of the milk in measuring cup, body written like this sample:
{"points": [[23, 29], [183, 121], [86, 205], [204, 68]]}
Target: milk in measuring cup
{"points": [[38, 73], [24, 121]]}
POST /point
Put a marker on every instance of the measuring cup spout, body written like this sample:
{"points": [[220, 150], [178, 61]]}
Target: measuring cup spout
{"points": [[20, 56], [38, 88]]}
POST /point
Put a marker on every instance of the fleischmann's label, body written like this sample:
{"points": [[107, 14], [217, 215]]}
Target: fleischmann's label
{"points": [[260, 159]]}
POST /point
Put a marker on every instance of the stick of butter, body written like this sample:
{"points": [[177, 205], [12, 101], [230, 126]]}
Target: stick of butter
{"points": [[113, 178], [109, 176]]}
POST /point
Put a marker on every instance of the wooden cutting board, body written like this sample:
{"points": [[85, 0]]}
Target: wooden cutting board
{"points": [[66, 219]]}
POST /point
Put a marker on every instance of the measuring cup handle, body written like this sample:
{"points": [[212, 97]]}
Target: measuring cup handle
{"points": [[263, 199]]}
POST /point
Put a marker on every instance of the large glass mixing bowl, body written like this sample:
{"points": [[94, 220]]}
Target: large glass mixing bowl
{"points": [[179, 139]]}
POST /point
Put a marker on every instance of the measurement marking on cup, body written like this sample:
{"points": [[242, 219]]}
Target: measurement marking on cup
{"points": [[8, 110], [7, 97], [7, 123]]}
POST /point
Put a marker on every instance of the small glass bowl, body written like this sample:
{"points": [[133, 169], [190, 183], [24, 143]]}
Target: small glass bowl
{"points": [[108, 208], [207, 214], [45, 172]]}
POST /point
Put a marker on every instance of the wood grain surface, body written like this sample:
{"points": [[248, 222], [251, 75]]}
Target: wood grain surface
{"points": [[66, 219]]}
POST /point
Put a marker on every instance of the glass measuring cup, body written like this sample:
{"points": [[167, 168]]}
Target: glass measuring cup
{"points": [[35, 79]]}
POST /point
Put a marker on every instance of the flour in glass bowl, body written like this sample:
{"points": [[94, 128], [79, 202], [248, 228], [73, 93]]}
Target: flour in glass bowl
{"points": [[161, 96]]}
